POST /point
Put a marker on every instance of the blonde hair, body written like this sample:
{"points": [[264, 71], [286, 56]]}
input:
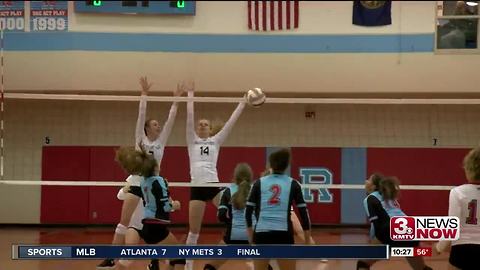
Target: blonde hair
{"points": [[215, 126], [471, 164], [136, 162], [266, 172], [243, 176]]}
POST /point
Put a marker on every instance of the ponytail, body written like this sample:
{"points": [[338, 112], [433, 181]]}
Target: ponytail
{"points": [[243, 176], [135, 161], [239, 199], [389, 188], [129, 159]]}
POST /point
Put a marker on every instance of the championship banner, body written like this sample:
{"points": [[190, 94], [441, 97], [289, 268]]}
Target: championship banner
{"points": [[12, 16], [202, 252], [48, 16]]}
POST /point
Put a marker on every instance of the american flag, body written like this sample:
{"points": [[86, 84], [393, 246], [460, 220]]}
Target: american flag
{"points": [[272, 15]]}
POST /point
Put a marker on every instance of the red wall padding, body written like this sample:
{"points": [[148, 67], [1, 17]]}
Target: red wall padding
{"points": [[324, 213], [104, 207], [99, 205], [175, 167], [96, 205], [420, 166], [61, 204]]}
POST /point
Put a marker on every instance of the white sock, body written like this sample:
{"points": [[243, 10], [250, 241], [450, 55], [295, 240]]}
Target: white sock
{"points": [[189, 265], [274, 264], [192, 238]]}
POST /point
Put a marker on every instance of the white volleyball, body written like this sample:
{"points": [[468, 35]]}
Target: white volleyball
{"points": [[256, 97]]}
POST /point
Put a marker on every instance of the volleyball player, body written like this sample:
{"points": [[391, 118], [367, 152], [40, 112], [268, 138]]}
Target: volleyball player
{"points": [[381, 204], [149, 135], [203, 148], [463, 203], [297, 226], [271, 198], [231, 211], [158, 203]]}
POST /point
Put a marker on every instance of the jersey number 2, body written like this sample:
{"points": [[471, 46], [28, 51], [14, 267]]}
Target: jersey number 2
{"points": [[472, 213], [203, 150], [275, 189]]}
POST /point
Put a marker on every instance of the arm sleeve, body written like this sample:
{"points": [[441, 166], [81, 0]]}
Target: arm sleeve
{"points": [[454, 204], [253, 202], [162, 197], [224, 209], [301, 205], [190, 125], [454, 209], [167, 128], [374, 209], [139, 132], [222, 135]]}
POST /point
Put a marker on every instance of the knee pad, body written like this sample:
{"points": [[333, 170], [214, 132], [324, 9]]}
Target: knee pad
{"points": [[125, 263], [121, 229]]}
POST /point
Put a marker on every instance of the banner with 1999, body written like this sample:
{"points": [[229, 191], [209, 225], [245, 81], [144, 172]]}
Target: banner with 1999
{"points": [[48, 16]]}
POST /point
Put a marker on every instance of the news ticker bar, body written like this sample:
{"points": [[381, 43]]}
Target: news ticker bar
{"points": [[202, 252]]}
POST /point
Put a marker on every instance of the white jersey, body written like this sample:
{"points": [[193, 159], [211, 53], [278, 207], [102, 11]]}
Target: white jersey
{"points": [[134, 180], [157, 147], [463, 203], [203, 153]]}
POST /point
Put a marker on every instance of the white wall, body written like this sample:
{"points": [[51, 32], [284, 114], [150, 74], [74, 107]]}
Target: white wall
{"points": [[227, 72], [230, 17], [235, 72]]}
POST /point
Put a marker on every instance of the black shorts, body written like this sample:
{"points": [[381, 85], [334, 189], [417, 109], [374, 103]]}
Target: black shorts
{"points": [[235, 242], [204, 193], [464, 256], [153, 233], [274, 238], [391, 243], [136, 190], [384, 238]]}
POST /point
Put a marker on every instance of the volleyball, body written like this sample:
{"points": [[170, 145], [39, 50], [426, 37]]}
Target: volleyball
{"points": [[256, 97]]}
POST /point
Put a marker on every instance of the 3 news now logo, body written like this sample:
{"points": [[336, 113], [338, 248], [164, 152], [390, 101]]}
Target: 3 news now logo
{"points": [[424, 228]]}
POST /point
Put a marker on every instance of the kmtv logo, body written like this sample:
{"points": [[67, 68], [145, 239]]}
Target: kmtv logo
{"points": [[424, 228]]}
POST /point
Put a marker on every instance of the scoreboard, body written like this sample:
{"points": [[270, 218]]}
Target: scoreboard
{"points": [[137, 7]]}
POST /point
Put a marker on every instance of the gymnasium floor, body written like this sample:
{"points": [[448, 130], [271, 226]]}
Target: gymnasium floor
{"points": [[103, 235]]}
